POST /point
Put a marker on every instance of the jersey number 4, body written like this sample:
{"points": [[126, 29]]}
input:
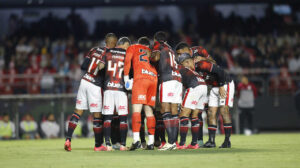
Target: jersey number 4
{"points": [[113, 68], [143, 55]]}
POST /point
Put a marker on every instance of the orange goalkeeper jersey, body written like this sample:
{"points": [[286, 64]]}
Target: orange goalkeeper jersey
{"points": [[138, 55]]}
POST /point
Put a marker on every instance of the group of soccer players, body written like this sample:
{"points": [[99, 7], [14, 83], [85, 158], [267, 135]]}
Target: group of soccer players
{"points": [[121, 68]]}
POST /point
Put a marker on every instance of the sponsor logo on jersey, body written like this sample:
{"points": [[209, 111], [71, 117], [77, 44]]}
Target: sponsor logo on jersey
{"points": [[200, 79], [106, 107], [194, 102], [118, 57], [118, 52], [114, 85], [176, 74], [93, 105], [141, 97], [144, 71], [96, 55], [153, 98], [170, 94], [122, 107], [78, 101], [89, 78]]}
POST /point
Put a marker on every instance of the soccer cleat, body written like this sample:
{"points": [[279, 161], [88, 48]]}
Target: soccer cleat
{"points": [[182, 147], [68, 145], [157, 143], [150, 147], [190, 146], [116, 146], [135, 146], [168, 146], [109, 148], [209, 144], [200, 143], [177, 144], [143, 145], [226, 144], [123, 148], [100, 148], [162, 145]]}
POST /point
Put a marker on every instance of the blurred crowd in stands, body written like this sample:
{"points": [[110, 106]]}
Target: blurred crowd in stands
{"points": [[51, 50], [47, 127]]}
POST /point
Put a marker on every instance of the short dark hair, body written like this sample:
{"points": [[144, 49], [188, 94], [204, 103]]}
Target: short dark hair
{"points": [[110, 35], [181, 45], [144, 41], [123, 40], [160, 36]]}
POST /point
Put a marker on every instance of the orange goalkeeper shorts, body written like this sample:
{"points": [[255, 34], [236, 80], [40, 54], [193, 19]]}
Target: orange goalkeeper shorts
{"points": [[144, 92]]}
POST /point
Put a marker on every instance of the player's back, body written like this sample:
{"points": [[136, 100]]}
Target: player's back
{"points": [[114, 64], [167, 66], [92, 73], [190, 78], [139, 56]]}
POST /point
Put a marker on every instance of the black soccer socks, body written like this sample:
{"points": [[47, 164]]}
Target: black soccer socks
{"points": [[167, 117], [227, 129], [195, 130], [212, 132], [98, 132], [107, 129], [183, 129], [72, 125]]}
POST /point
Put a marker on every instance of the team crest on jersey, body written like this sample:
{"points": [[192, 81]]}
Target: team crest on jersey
{"points": [[93, 105], [153, 98], [142, 97]]}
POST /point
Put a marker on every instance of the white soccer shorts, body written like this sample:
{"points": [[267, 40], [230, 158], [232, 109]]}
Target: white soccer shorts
{"points": [[115, 99], [170, 92], [194, 98], [216, 101], [89, 96]]}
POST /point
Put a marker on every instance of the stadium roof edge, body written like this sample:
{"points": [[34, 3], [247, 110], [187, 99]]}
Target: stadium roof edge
{"points": [[99, 3]]}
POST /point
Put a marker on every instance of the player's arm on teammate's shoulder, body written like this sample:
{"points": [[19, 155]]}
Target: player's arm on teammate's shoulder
{"points": [[102, 62], [155, 56]]}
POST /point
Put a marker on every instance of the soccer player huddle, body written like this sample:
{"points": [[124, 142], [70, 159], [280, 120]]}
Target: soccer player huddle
{"points": [[143, 70]]}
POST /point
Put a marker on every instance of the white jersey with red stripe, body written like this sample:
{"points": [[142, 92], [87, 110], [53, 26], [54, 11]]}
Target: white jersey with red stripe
{"points": [[216, 101]]}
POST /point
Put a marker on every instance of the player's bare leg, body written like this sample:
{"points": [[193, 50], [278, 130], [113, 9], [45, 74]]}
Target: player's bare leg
{"points": [[212, 127], [194, 129], [184, 120], [224, 110], [71, 127], [98, 131], [136, 125], [151, 126]]}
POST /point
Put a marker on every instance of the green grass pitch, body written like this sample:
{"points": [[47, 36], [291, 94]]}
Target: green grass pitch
{"points": [[263, 150]]}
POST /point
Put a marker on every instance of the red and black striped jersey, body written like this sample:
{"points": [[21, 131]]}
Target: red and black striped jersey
{"points": [[167, 66], [114, 65], [190, 78], [212, 73], [92, 73], [199, 51]]}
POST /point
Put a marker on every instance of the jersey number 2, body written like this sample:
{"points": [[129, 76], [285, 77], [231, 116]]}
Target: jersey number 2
{"points": [[144, 54]]}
